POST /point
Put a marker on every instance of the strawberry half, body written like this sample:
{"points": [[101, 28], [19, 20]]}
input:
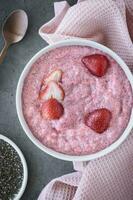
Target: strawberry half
{"points": [[52, 90], [56, 76], [97, 64], [98, 120], [52, 109]]}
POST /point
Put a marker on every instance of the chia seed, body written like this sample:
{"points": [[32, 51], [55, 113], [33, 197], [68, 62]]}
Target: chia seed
{"points": [[11, 171]]}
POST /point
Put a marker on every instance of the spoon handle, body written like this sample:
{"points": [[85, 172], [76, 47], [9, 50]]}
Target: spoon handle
{"points": [[4, 51]]}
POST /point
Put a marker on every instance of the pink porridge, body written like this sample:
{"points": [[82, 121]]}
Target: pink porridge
{"points": [[83, 93]]}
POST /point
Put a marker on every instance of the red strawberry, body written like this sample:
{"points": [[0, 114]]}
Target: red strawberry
{"points": [[56, 75], [97, 64], [52, 109], [98, 120], [53, 90]]}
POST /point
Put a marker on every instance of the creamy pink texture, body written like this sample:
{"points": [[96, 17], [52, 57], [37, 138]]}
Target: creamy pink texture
{"points": [[83, 93]]}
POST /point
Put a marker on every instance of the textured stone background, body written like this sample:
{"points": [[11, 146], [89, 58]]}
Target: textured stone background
{"points": [[42, 167]]}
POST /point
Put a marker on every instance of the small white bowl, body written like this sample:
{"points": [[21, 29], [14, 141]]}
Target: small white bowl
{"points": [[62, 156], [25, 171]]}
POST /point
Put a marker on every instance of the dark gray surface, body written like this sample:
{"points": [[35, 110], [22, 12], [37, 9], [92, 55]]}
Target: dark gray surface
{"points": [[42, 167]]}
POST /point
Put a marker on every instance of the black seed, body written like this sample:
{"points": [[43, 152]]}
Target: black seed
{"points": [[11, 171]]}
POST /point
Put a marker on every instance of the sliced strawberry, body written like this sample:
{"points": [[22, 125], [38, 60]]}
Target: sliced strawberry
{"points": [[98, 120], [97, 64], [56, 75], [52, 90], [52, 109], [42, 92]]}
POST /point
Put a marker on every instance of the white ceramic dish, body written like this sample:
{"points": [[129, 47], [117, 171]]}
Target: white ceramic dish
{"points": [[25, 175], [19, 100]]}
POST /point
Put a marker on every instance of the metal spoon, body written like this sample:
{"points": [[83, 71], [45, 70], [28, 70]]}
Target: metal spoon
{"points": [[14, 29]]}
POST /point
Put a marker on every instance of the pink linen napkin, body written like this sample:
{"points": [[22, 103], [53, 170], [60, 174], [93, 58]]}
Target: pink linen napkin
{"points": [[109, 22]]}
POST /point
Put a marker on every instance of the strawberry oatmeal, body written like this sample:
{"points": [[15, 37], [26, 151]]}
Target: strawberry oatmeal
{"points": [[76, 100]]}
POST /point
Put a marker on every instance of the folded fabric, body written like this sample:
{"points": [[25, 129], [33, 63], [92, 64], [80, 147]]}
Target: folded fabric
{"points": [[107, 178], [100, 20], [109, 22]]}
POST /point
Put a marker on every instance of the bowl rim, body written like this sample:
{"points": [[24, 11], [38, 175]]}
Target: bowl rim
{"points": [[71, 42], [23, 161]]}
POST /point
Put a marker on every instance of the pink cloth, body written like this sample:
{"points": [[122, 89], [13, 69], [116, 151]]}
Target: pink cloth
{"points": [[109, 22]]}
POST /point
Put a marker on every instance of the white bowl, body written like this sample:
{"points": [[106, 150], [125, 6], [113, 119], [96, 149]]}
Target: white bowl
{"points": [[25, 171], [19, 100]]}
